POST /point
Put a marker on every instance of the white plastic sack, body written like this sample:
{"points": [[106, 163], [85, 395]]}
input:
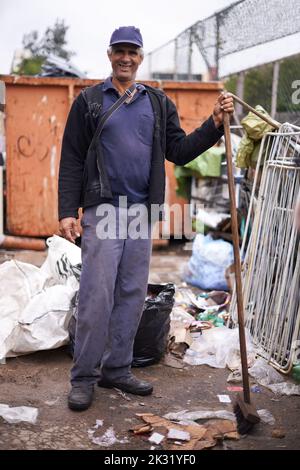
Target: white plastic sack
{"points": [[19, 283], [35, 303], [207, 265], [219, 348]]}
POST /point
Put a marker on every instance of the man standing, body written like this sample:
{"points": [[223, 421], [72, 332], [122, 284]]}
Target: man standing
{"points": [[123, 159]]}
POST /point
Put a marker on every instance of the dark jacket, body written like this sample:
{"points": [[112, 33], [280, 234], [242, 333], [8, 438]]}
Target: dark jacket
{"points": [[83, 179]]}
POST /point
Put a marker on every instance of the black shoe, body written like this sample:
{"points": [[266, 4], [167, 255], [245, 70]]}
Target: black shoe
{"points": [[80, 397], [129, 384]]}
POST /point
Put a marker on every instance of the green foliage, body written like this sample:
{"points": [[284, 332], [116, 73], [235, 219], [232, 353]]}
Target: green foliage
{"points": [[258, 85], [230, 84], [31, 66], [52, 42]]}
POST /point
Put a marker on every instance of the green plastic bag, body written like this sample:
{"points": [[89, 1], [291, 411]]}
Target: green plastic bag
{"points": [[255, 128]]}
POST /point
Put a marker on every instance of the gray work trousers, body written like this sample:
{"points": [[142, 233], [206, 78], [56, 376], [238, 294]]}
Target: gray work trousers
{"points": [[113, 287]]}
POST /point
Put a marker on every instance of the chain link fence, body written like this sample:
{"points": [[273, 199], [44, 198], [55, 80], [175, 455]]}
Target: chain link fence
{"points": [[242, 25]]}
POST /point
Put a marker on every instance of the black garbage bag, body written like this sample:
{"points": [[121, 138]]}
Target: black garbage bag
{"points": [[152, 335]]}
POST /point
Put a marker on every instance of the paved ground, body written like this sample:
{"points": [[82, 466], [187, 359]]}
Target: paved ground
{"points": [[41, 380]]}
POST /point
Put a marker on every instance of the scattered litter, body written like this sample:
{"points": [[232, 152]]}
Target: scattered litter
{"points": [[278, 433], [152, 448], [219, 347], [235, 376], [200, 436], [264, 373], [122, 394], [235, 389], [142, 404], [266, 417], [255, 389], [107, 439], [285, 388], [267, 376], [52, 402], [224, 398], [156, 438], [178, 435], [98, 424], [141, 429], [200, 415], [18, 414], [172, 361]]}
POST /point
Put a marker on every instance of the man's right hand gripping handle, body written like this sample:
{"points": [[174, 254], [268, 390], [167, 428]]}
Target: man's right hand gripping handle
{"points": [[68, 229]]}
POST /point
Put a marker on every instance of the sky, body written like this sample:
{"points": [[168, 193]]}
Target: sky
{"points": [[92, 22]]}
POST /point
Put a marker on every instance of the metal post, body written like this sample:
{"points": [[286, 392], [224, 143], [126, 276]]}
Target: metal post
{"points": [[276, 69], [2, 108], [190, 54], [176, 59], [240, 92], [216, 77]]}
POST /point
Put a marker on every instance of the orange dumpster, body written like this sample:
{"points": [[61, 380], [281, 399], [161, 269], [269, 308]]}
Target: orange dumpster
{"points": [[36, 111]]}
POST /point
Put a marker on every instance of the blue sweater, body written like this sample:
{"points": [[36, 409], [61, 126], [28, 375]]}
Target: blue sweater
{"points": [[127, 144]]}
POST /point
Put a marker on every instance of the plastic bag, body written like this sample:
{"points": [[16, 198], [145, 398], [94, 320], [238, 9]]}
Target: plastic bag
{"points": [[207, 265], [219, 348], [35, 302], [255, 128], [152, 335]]}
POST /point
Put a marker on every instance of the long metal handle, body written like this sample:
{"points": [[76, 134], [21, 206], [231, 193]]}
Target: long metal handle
{"points": [[237, 261]]}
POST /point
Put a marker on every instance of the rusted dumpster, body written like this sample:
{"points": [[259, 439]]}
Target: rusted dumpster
{"points": [[36, 111]]}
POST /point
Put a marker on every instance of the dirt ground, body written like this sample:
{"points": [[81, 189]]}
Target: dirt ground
{"points": [[41, 380]]}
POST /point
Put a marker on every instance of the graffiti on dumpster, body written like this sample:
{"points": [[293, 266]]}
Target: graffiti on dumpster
{"points": [[26, 150]]}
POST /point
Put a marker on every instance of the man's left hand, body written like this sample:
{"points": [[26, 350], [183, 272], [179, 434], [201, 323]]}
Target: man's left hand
{"points": [[224, 104]]}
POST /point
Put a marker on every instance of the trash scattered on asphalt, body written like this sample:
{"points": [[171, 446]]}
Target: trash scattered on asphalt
{"points": [[255, 389], [156, 438], [196, 415], [51, 402], [267, 376], [18, 414], [122, 394], [200, 436], [278, 433], [266, 417], [172, 361], [99, 423], [178, 435], [107, 439], [235, 376], [224, 398], [235, 389]]}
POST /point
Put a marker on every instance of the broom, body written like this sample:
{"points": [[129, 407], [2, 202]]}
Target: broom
{"points": [[246, 414]]}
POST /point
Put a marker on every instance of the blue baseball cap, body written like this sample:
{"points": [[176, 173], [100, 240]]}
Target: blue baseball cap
{"points": [[126, 34]]}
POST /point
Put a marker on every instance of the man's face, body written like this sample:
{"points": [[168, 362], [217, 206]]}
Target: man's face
{"points": [[125, 60]]}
